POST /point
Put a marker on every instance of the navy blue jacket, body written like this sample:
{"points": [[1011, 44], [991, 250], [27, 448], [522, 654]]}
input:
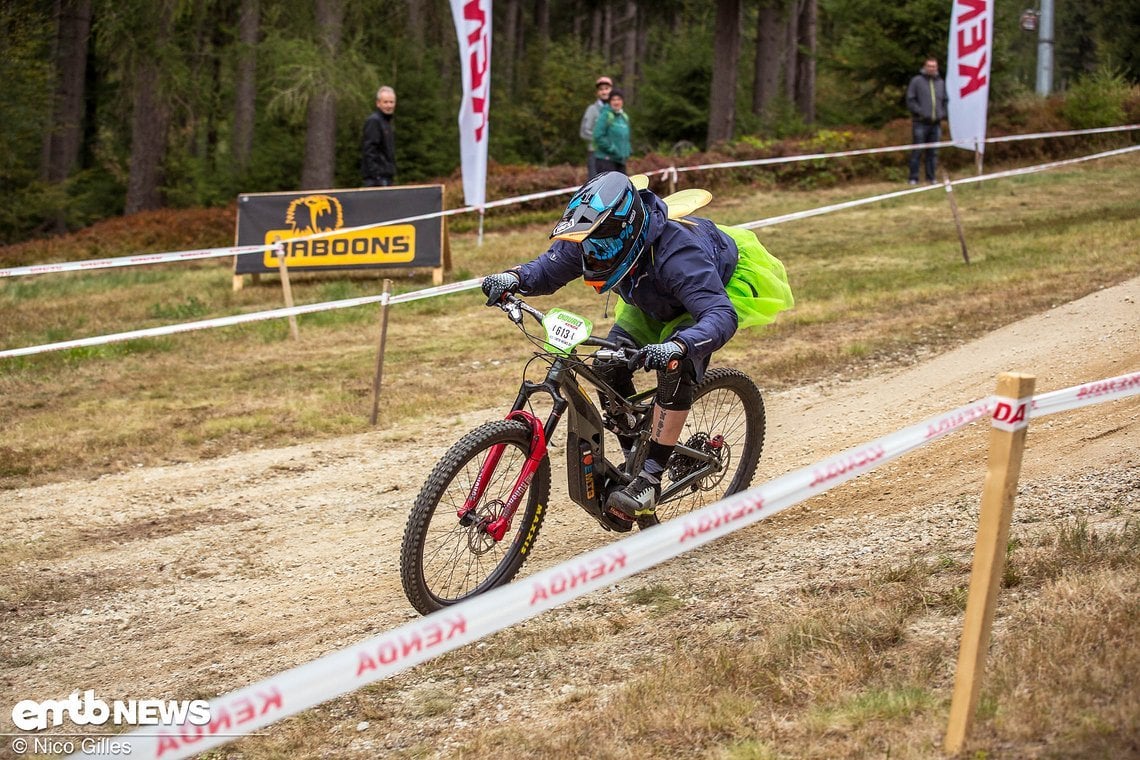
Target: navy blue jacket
{"points": [[682, 270]]}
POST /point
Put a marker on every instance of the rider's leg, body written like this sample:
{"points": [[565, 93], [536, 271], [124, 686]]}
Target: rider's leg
{"points": [[674, 400], [620, 378]]}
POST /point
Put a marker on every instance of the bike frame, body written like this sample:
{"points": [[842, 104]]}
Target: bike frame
{"points": [[585, 444]]}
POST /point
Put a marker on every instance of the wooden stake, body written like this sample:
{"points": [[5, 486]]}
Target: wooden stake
{"points": [[1007, 443], [284, 270], [380, 353], [957, 218], [672, 180], [979, 156]]}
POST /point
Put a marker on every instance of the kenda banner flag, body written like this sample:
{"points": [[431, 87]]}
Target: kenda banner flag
{"points": [[968, 71], [473, 28]]}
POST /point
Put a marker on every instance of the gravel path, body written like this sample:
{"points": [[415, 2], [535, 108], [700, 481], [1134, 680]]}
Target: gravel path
{"points": [[192, 580]]}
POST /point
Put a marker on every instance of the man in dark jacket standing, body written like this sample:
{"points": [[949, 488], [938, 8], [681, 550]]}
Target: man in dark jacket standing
{"points": [[378, 148], [926, 101]]}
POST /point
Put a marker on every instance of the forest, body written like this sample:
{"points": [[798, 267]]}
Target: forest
{"points": [[118, 107]]}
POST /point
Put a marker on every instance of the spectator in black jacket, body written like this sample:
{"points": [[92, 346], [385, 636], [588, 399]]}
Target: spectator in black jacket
{"points": [[378, 148], [926, 101]]}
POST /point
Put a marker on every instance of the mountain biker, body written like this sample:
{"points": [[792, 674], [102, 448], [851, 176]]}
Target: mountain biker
{"points": [[685, 285]]}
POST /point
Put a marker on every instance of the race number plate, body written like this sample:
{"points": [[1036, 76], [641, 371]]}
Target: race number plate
{"points": [[565, 331]]}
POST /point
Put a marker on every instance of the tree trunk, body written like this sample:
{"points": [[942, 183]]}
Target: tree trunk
{"points": [[416, 25], [542, 22], [150, 119], [726, 49], [791, 48], [245, 91], [805, 75], [510, 50], [608, 33], [596, 30], [629, 50], [320, 125], [769, 54], [64, 136]]}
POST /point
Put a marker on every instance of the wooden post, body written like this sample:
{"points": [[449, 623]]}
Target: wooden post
{"points": [[380, 353], [979, 156], [672, 179], [957, 219], [284, 270], [1007, 443], [481, 214]]}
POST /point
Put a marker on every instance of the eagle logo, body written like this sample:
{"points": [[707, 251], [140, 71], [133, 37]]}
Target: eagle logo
{"points": [[314, 213]]}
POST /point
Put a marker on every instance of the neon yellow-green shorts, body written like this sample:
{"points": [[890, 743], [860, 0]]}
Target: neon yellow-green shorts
{"points": [[758, 289]]}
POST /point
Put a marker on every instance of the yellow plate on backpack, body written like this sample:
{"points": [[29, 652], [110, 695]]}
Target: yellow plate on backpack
{"points": [[684, 202]]}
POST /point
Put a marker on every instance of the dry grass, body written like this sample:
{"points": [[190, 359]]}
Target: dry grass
{"points": [[877, 286], [843, 675]]}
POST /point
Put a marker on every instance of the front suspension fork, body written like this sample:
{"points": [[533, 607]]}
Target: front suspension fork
{"points": [[498, 527]]}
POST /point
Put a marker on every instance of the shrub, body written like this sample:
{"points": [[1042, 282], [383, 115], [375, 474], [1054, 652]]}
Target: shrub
{"points": [[1097, 100]]}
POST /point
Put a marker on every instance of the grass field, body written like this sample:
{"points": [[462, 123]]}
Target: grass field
{"points": [[876, 286]]}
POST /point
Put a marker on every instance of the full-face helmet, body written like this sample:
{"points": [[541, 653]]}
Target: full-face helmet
{"points": [[608, 219]]}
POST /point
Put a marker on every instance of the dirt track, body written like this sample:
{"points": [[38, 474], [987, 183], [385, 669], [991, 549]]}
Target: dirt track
{"points": [[192, 580]]}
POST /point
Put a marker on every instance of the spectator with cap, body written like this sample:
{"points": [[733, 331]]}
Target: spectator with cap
{"points": [[602, 89]]}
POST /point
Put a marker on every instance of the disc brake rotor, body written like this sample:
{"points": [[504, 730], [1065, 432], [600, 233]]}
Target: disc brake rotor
{"points": [[479, 541], [681, 466]]}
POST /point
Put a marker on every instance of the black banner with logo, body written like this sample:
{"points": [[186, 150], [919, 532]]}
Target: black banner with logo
{"points": [[282, 217]]}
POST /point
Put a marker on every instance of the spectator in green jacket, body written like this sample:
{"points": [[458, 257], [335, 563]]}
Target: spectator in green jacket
{"points": [[611, 136]]}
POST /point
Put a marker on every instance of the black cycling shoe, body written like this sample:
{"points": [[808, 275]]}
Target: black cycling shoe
{"points": [[637, 501]]}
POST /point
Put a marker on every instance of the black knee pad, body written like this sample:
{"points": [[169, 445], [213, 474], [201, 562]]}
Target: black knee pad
{"points": [[675, 389]]}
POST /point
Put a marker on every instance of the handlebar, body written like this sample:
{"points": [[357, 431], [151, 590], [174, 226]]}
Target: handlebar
{"points": [[515, 307]]}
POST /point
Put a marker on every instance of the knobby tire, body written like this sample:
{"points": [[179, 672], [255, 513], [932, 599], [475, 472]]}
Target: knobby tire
{"points": [[727, 403], [443, 562]]}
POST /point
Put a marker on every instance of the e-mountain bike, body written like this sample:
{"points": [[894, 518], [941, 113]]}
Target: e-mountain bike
{"points": [[477, 516]]}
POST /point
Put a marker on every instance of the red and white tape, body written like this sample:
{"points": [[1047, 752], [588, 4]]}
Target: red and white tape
{"points": [[288, 693]]}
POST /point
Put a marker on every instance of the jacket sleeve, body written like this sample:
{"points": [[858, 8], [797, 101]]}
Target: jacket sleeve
{"points": [[695, 282], [561, 264], [371, 147], [589, 119], [602, 140], [912, 93]]}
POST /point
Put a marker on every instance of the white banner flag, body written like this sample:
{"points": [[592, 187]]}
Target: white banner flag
{"points": [[968, 71], [473, 28]]}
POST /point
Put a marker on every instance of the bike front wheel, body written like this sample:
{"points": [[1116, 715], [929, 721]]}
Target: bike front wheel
{"points": [[726, 423], [443, 559]]}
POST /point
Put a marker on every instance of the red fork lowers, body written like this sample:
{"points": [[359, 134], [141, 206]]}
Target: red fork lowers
{"points": [[498, 527]]}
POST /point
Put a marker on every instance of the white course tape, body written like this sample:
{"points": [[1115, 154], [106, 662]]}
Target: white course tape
{"points": [[669, 171], [471, 284], [772, 221], [894, 148], [238, 319], [130, 261], [295, 690]]}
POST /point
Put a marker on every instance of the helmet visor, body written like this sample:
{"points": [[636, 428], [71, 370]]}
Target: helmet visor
{"points": [[601, 257]]}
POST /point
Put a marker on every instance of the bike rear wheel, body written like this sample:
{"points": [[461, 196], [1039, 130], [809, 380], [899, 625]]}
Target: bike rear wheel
{"points": [[726, 421], [443, 561]]}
